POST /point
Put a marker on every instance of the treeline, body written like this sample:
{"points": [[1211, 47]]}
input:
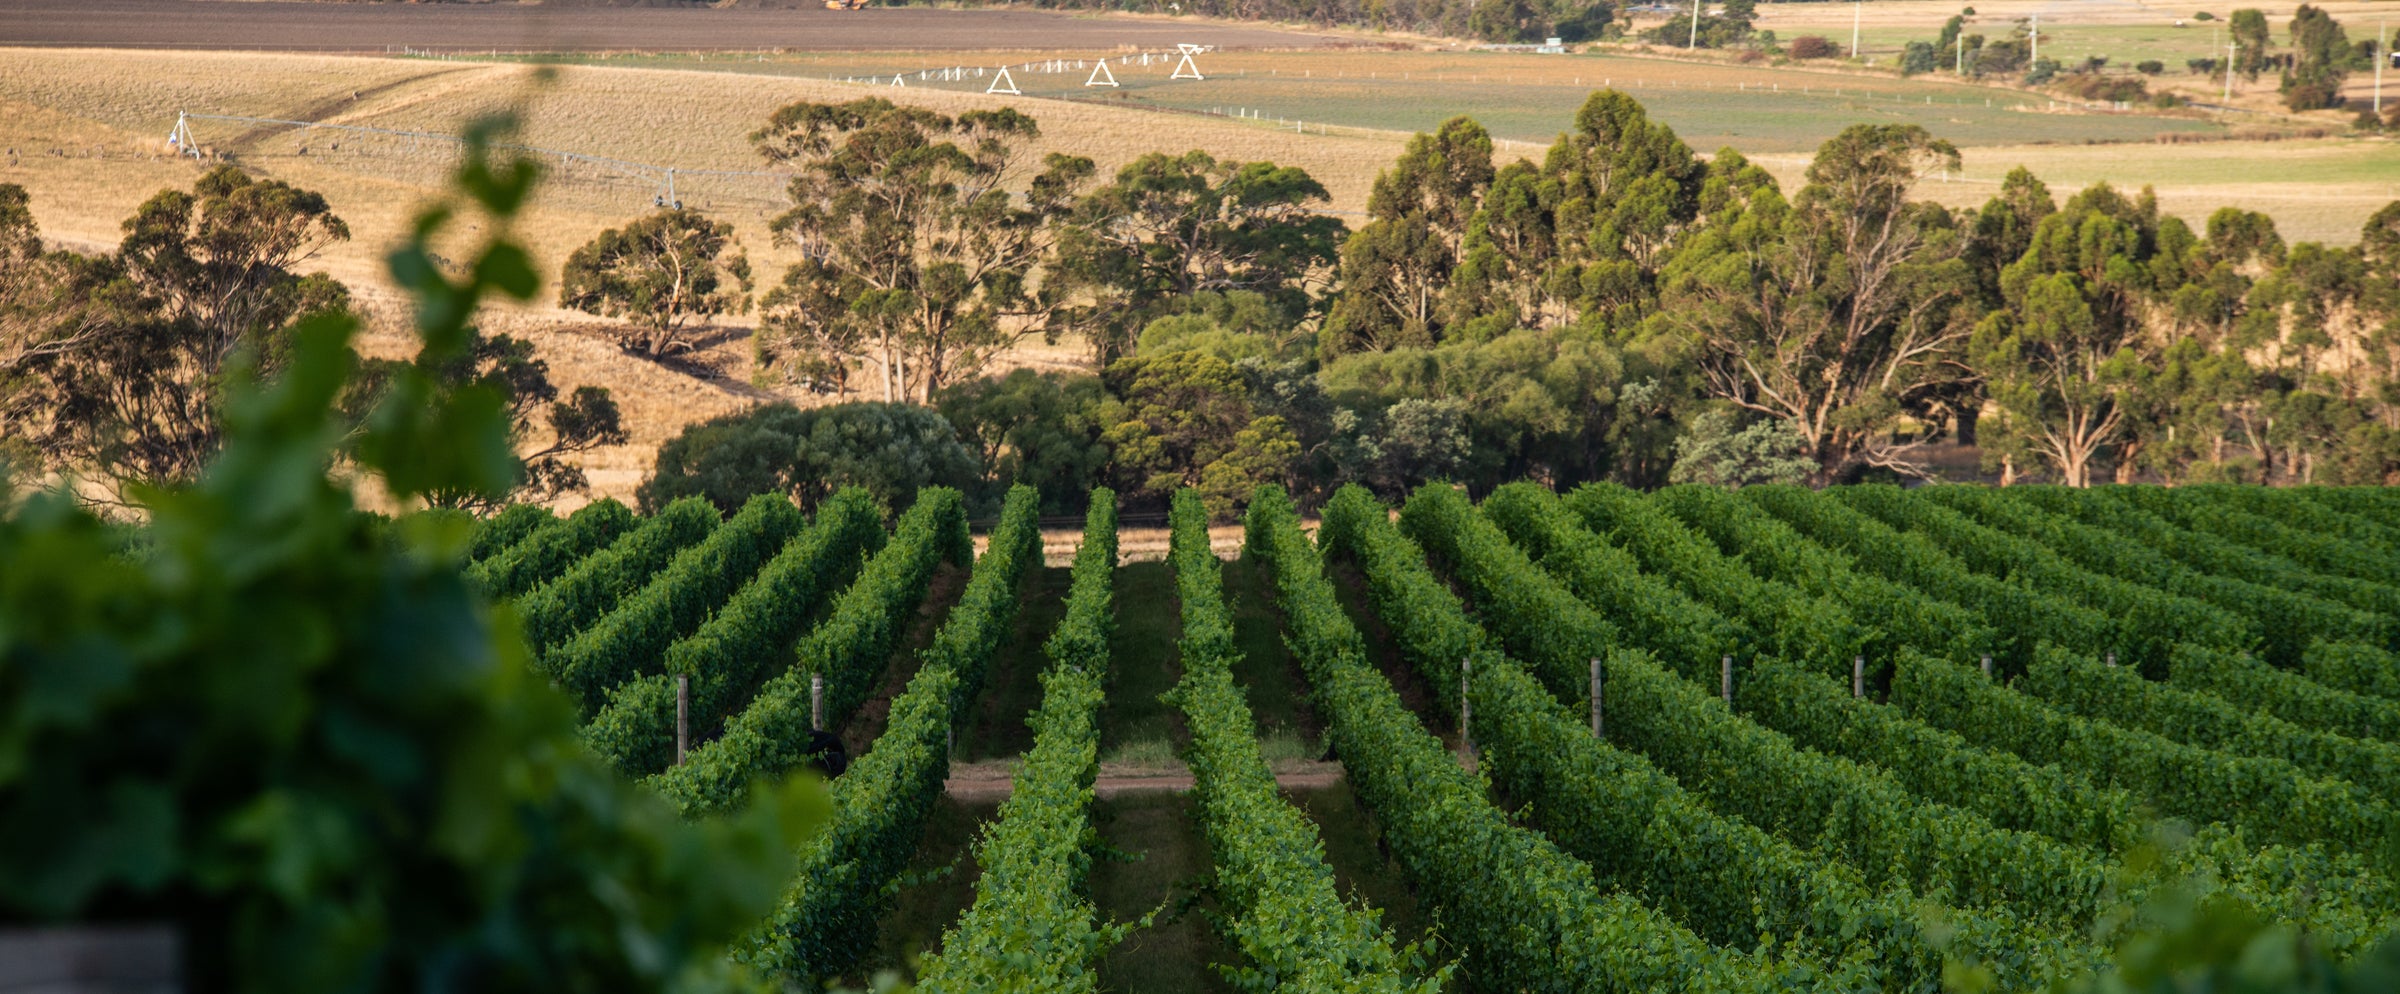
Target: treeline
{"points": [[114, 366], [1622, 309]]}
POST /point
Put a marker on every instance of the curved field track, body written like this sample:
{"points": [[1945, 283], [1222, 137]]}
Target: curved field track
{"points": [[357, 27]]}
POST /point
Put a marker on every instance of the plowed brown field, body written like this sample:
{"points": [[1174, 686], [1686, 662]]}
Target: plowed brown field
{"points": [[377, 27]]}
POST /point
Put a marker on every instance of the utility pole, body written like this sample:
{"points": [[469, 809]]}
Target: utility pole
{"points": [[1695, 42], [1854, 13], [2035, 37], [1962, 53], [2383, 57]]}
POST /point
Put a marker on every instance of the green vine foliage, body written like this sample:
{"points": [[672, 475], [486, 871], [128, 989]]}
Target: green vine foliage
{"points": [[2369, 576], [552, 550], [2124, 699], [1639, 831], [1843, 810], [1032, 927], [1790, 624], [556, 611], [1690, 637], [771, 733], [2300, 530], [1939, 765], [2358, 669], [729, 656], [1893, 615], [2286, 694], [2019, 616], [2286, 621], [1528, 916], [2292, 505], [828, 916], [1284, 912], [2106, 508], [2149, 621], [629, 640], [1533, 615], [2266, 799], [291, 731], [506, 529]]}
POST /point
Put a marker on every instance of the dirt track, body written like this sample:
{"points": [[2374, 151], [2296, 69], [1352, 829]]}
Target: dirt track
{"points": [[377, 27]]}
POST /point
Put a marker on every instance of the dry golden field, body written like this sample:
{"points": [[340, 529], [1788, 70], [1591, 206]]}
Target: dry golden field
{"points": [[84, 131]]}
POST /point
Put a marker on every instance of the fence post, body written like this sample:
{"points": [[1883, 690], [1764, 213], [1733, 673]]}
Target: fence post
{"points": [[1466, 708], [1858, 676], [816, 702], [1727, 663], [683, 716], [2112, 659], [1987, 666], [1596, 726]]}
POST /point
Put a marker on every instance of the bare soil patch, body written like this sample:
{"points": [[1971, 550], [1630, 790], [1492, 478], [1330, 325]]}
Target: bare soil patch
{"points": [[483, 27]]}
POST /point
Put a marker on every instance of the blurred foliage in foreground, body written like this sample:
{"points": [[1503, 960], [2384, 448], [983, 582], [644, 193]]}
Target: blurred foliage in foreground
{"points": [[287, 729]]}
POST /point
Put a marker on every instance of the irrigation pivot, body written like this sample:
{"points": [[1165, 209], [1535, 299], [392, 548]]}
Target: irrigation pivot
{"points": [[1186, 69]]}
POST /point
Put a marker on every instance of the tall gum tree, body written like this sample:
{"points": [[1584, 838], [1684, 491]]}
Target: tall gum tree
{"points": [[920, 234], [1837, 311], [2064, 359]]}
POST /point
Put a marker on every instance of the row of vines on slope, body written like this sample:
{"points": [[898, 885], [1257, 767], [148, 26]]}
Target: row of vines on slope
{"points": [[827, 920], [1526, 915], [1285, 915], [1638, 829], [1032, 928], [771, 734], [730, 655]]}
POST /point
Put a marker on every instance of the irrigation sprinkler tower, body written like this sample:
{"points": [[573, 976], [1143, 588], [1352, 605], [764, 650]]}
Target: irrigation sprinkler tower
{"points": [[1187, 69], [2383, 57], [182, 142]]}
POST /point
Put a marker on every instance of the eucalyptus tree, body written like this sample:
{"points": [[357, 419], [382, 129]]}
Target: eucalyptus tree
{"points": [[660, 272], [113, 365], [1838, 311], [920, 234], [1397, 268], [1169, 228], [2066, 358]]}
